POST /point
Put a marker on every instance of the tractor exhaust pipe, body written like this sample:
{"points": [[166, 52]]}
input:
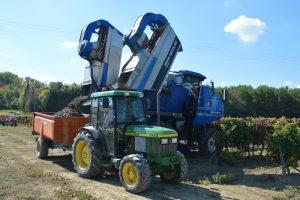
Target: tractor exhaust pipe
{"points": [[158, 106]]}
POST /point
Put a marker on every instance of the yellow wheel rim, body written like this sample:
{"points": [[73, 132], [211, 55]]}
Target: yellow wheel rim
{"points": [[83, 155], [130, 174]]}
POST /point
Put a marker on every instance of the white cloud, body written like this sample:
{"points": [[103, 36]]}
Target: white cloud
{"points": [[248, 29], [288, 83], [298, 86], [70, 44], [230, 3]]}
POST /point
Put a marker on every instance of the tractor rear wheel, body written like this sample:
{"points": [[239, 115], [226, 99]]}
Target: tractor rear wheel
{"points": [[86, 156], [42, 147], [134, 173], [178, 173]]}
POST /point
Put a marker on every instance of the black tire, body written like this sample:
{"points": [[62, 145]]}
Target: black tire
{"points": [[208, 143], [135, 165], [87, 159], [42, 147], [178, 173]]}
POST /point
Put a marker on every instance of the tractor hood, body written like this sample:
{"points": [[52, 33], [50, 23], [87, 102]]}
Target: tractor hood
{"points": [[149, 131]]}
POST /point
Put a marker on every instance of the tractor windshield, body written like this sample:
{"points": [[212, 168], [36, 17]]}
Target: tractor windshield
{"points": [[130, 110]]}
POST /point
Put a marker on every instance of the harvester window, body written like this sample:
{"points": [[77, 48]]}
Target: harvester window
{"points": [[193, 80]]}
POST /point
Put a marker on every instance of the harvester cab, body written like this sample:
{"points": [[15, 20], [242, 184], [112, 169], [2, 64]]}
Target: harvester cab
{"points": [[117, 138]]}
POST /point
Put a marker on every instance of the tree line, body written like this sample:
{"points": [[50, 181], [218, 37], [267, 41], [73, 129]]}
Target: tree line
{"points": [[263, 101], [30, 95]]}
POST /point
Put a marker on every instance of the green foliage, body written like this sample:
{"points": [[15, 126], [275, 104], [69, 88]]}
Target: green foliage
{"points": [[288, 136], [7, 78], [236, 132], [31, 95], [59, 95], [264, 101], [227, 157], [224, 178]]}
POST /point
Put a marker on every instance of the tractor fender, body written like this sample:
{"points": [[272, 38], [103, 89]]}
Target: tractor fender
{"points": [[97, 135]]}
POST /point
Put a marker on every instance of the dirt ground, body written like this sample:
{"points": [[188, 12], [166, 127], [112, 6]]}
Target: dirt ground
{"points": [[23, 176]]}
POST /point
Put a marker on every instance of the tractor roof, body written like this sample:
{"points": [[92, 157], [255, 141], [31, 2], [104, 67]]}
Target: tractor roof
{"points": [[117, 93]]}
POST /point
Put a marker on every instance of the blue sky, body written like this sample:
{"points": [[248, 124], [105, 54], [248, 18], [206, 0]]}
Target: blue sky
{"points": [[232, 42]]}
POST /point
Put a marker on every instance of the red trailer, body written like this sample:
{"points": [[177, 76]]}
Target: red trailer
{"points": [[60, 130]]}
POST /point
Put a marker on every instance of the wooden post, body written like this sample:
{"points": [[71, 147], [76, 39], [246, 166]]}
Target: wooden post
{"points": [[283, 168]]}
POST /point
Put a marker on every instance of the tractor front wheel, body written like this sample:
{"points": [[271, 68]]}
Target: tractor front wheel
{"points": [[86, 156], [176, 174], [135, 174]]}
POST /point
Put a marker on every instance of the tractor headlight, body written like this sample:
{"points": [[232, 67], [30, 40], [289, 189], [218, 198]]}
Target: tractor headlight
{"points": [[174, 140], [164, 141]]}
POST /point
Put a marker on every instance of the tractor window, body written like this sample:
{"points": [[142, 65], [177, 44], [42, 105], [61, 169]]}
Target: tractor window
{"points": [[106, 119], [94, 108], [130, 110], [106, 112]]}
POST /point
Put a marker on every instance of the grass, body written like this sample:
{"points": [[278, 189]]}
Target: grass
{"points": [[224, 178], [70, 193], [55, 177], [289, 192], [34, 173], [5, 112], [4, 187], [204, 181]]}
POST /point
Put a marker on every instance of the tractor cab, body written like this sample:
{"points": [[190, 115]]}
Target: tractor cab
{"points": [[111, 112], [118, 138]]}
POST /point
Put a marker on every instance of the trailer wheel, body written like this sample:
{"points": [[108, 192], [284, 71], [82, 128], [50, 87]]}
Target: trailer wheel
{"points": [[178, 173], [42, 147], [86, 156], [209, 141], [134, 173]]}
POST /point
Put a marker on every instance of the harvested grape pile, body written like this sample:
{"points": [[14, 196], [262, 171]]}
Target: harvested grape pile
{"points": [[72, 109]]}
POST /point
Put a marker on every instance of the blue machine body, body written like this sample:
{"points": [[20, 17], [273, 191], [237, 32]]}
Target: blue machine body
{"points": [[149, 19], [153, 53], [184, 93], [85, 45], [101, 44]]}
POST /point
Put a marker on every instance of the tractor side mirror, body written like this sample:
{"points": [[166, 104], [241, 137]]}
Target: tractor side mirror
{"points": [[224, 95], [212, 88], [105, 102]]}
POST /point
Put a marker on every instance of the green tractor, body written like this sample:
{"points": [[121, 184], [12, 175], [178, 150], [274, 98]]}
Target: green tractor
{"points": [[118, 139]]}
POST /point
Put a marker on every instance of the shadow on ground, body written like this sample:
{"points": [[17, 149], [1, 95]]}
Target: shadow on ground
{"points": [[250, 171]]}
